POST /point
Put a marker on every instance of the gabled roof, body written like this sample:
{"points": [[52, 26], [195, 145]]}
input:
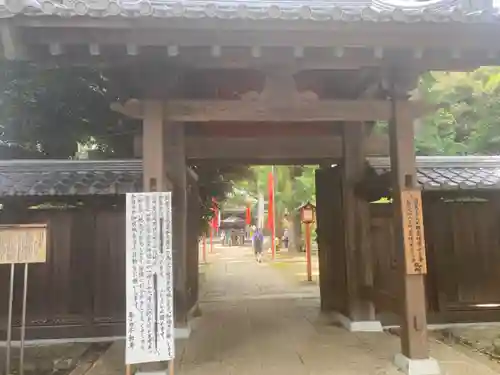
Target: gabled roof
{"points": [[320, 10], [116, 177]]}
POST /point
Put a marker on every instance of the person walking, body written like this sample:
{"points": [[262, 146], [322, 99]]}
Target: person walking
{"points": [[285, 238], [258, 244], [223, 238]]}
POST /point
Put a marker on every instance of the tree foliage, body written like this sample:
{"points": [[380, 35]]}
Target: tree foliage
{"points": [[217, 183], [294, 186], [50, 110], [467, 115], [45, 113]]}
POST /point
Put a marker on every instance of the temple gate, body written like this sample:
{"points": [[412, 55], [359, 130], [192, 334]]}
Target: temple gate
{"points": [[274, 82]]}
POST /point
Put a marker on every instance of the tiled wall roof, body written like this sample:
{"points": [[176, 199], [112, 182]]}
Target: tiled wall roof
{"points": [[452, 173], [55, 177], [115, 177], [320, 10]]}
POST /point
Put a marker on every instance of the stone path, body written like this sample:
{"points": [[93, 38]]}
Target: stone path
{"points": [[233, 274], [257, 320]]}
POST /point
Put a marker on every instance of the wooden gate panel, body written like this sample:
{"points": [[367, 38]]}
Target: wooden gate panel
{"points": [[386, 276], [109, 266], [330, 227], [82, 262], [468, 272]]}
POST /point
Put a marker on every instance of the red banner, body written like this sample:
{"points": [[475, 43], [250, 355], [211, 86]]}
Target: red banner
{"points": [[215, 217], [248, 216], [270, 205]]}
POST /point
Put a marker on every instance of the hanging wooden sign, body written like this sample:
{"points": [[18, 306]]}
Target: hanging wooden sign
{"points": [[149, 273], [23, 243], [413, 231]]}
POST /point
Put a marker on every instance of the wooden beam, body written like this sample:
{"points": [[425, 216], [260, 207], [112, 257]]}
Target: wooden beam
{"points": [[258, 111], [347, 50], [207, 32], [201, 54], [259, 148], [298, 111], [178, 56], [262, 129], [272, 148]]}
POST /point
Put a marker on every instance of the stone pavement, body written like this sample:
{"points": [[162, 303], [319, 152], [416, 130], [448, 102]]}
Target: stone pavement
{"points": [[257, 321], [293, 264]]}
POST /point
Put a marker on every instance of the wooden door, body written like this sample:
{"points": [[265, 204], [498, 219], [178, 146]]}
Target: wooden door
{"points": [[464, 239]]}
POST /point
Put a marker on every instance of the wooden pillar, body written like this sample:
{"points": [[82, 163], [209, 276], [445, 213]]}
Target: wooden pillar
{"points": [[409, 241], [192, 246], [153, 146], [327, 223], [164, 169], [177, 171], [414, 343], [154, 174], [356, 230]]}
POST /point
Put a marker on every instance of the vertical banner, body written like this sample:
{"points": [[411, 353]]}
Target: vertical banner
{"points": [[270, 212], [248, 216], [270, 205], [149, 273], [215, 217]]}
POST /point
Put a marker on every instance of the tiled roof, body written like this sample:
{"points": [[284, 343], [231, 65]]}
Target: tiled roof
{"points": [[320, 10], [451, 172], [58, 177], [114, 177]]}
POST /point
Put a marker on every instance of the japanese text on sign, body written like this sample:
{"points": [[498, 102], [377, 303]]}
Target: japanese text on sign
{"points": [[25, 243], [150, 316], [413, 230]]}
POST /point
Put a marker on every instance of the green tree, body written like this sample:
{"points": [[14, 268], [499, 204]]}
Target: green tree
{"points": [[50, 110], [45, 113], [467, 115], [294, 186]]}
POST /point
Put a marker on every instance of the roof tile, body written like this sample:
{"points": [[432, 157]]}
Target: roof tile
{"points": [[117, 177], [319, 10]]}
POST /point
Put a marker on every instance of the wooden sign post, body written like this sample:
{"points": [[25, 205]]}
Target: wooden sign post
{"points": [[307, 213], [21, 244], [413, 229], [149, 283]]}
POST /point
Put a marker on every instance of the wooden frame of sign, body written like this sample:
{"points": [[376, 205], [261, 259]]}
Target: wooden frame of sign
{"points": [[23, 243], [413, 230], [20, 244]]}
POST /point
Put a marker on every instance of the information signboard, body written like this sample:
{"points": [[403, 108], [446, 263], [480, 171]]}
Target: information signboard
{"points": [[413, 230], [23, 243], [149, 272]]}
